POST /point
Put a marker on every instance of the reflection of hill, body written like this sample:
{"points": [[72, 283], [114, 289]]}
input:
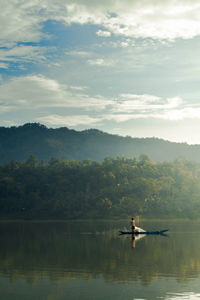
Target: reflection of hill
{"points": [[36, 250]]}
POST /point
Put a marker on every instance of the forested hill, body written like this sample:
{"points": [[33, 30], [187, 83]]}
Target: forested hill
{"points": [[18, 143]]}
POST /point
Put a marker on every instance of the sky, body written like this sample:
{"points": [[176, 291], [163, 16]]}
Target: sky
{"points": [[127, 67]]}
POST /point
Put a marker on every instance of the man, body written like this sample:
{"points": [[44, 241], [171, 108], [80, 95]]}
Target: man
{"points": [[133, 225]]}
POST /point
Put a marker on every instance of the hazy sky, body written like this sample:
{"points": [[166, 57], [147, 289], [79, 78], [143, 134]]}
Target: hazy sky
{"points": [[130, 67]]}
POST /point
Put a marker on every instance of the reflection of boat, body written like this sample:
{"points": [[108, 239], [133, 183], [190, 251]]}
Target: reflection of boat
{"points": [[136, 232]]}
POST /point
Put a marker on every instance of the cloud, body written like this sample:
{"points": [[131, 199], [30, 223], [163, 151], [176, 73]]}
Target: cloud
{"points": [[35, 91], [78, 53], [40, 94], [172, 115], [23, 54], [119, 118], [6, 108], [169, 19], [146, 19], [103, 33], [100, 62], [3, 65], [185, 113], [9, 123], [87, 120], [28, 91], [144, 103], [74, 120], [125, 44], [20, 21], [78, 88]]}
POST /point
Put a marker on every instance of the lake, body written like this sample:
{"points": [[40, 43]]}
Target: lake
{"points": [[89, 260]]}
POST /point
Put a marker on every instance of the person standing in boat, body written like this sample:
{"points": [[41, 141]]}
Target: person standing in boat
{"points": [[132, 225]]}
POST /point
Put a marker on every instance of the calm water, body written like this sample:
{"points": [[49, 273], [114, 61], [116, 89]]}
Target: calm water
{"points": [[87, 260]]}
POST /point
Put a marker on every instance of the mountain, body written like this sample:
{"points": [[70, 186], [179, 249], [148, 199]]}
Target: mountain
{"points": [[18, 143]]}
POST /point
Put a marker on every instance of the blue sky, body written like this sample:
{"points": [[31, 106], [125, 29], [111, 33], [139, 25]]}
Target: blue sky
{"points": [[126, 67]]}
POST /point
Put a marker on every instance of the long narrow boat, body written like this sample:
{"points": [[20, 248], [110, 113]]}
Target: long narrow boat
{"points": [[144, 232]]}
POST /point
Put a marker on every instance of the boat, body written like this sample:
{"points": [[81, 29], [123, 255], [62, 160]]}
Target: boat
{"points": [[136, 232]]}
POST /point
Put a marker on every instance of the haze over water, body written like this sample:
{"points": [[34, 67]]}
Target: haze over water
{"points": [[89, 260]]}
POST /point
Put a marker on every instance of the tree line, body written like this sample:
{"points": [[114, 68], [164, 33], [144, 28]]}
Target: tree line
{"points": [[116, 187]]}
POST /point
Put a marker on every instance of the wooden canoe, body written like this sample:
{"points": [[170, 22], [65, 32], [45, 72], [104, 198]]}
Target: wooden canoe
{"points": [[144, 232]]}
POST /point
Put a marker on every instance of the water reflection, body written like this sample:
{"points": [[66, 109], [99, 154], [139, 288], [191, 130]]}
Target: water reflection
{"points": [[182, 296], [135, 238], [60, 251], [133, 241]]}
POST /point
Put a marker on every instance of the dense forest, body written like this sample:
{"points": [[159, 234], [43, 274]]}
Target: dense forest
{"points": [[19, 143], [118, 187]]}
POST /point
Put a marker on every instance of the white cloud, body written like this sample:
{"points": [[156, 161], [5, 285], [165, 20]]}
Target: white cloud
{"points": [[20, 21], [144, 103], [155, 19], [119, 118], [185, 113], [142, 98], [23, 53], [3, 65], [100, 62], [74, 120], [6, 108], [36, 91], [23, 21], [103, 33], [40, 93], [169, 19], [125, 44], [78, 88], [31, 91], [174, 102], [78, 53], [9, 123], [170, 115]]}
